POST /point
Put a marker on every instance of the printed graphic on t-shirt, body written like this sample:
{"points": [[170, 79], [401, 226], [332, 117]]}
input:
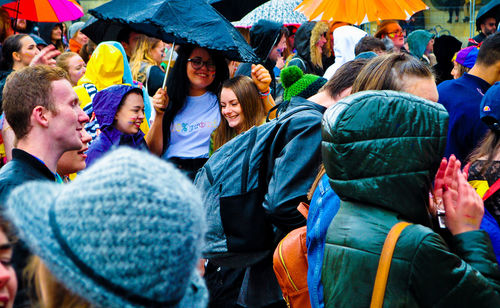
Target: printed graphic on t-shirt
{"points": [[188, 128]]}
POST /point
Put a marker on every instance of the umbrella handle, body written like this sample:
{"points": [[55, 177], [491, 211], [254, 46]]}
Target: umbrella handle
{"points": [[168, 66]]}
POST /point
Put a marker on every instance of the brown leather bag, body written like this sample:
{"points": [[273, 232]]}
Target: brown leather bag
{"points": [[290, 265]]}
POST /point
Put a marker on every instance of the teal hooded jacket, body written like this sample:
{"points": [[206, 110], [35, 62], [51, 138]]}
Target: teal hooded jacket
{"points": [[381, 150]]}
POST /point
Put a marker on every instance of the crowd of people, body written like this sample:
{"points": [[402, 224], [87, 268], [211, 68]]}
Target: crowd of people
{"points": [[102, 200]]}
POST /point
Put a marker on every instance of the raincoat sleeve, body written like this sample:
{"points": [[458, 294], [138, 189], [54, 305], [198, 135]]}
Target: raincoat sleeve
{"points": [[296, 154], [465, 276]]}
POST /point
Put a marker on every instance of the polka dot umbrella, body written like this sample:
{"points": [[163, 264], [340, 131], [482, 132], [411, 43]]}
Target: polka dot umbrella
{"points": [[281, 11]]}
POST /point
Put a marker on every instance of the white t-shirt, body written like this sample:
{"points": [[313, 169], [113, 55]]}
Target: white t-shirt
{"points": [[192, 126]]}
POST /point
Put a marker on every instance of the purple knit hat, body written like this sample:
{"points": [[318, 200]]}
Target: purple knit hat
{"points": [[467, 56]]}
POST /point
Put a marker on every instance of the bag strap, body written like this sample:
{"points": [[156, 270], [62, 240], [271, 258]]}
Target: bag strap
{"points": [[384, 264], [493, 189], [303, 208]]}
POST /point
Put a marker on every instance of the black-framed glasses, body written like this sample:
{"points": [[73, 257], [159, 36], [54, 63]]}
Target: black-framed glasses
{"points": [[197, 63]]}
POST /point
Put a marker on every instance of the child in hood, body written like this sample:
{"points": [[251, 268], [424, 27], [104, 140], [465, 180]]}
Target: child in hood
{"points": [[119, 110]]}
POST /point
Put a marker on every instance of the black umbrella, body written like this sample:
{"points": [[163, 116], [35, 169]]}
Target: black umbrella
{"points": [[235, 10], [175, 21]]}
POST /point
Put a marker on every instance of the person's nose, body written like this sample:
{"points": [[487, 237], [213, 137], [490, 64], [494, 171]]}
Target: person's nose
{"points": [[82, 116], [5, 275], [86, 138], [226, 111]]}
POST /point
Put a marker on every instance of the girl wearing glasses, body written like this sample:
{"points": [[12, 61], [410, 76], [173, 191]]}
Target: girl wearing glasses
{"points": [[392, 30], [181, 131]]}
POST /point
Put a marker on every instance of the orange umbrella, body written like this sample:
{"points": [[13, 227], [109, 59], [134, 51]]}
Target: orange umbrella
{"points": [[358, 12]]}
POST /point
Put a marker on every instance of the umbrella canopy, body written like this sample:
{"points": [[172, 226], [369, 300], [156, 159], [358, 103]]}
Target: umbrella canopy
{"points": [[179, 21], [235, 9], [43, 10], [357, 12], [492, 9], [281, 11]]}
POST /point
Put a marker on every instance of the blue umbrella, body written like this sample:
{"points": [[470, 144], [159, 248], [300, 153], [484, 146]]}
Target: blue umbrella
{"points": [[180, 22]]}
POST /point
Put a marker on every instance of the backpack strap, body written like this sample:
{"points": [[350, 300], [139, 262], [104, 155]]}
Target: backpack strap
{"points": [[493, 189], [384, 264], [303, 208]]}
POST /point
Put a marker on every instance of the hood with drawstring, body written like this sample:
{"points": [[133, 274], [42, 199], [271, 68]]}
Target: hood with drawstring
{"points": [[345, 39]]}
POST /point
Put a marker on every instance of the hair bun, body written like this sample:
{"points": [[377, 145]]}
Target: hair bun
{"points": [[290, 75]]}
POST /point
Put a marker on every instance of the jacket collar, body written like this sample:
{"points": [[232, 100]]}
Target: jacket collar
{"points": [[28, 159]]}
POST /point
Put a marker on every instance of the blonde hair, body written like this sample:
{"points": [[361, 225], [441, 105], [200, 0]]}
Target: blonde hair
{"points": [[62, 59], [317, 57], [54, 294], [142, 53]]}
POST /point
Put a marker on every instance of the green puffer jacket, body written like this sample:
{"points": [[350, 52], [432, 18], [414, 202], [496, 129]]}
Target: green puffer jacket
{"points": [[381, 150]]}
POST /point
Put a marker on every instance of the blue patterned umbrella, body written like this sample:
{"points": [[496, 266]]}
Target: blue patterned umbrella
{"points": [[281, 11]]}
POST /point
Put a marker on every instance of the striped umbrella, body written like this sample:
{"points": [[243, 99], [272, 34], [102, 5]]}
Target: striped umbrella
{"points": [[358, 12], [281, 11], [43, 10]]}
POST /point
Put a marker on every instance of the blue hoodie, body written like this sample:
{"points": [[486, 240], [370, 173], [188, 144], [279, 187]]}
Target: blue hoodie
{"points": [[105, 105]]}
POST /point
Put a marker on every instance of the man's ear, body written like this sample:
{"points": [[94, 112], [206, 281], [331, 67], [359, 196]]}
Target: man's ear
{"points": [[16, 56], [40, 116]]}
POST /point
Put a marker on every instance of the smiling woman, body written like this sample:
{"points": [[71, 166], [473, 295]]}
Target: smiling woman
{"points": [[241, 108], [181, 132], [119, 109]]}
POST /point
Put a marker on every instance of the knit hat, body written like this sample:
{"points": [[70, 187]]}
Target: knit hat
{"points": [[467, 56], [490, 108], [127, 232], [77, 26], [296, 83]]}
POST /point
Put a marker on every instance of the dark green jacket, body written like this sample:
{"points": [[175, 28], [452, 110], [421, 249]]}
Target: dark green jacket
{"points": [[381, 151]]}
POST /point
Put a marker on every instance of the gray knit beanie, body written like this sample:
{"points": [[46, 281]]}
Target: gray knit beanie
{"points": [[127, 232], [77, 26]]}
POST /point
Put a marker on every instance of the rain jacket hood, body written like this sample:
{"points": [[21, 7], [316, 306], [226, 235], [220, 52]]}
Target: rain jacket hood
{"points": [[263, 36], [107, 66], [306, 38], [345, 39], [303, 40], [383, 147], [45, 30], [106, 103], [417, 42]]}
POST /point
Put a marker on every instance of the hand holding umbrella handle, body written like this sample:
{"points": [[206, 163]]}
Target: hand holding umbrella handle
{"points": [[46, 56], [168, 65], [261, 77], [160, 101]]}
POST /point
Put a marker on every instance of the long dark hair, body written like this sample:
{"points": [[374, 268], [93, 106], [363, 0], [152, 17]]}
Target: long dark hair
{"points": [[178, 85], [11, 44], [487, 149]]}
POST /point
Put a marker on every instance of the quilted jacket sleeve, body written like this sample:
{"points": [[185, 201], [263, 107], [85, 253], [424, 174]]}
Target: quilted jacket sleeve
{"points": [[466, 276]]}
